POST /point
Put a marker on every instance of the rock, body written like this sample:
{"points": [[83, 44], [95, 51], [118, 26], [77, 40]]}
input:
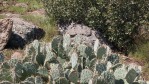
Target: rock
{"points": [[23, 33], [5, 32], [10, 15], [17, 55], [23, 5], [39, 12], [89, 35], [75, 29]]}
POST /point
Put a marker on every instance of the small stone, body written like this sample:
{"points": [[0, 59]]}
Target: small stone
{"points": [[23, 5]]}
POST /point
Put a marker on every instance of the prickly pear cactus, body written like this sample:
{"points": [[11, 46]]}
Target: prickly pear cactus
{"points": [[42, 71], [38, 80], [36, 46], [73, 76], [30, 80], [100, 67], [86, 75], [92, 63], [29, 54], [50, 57], [39, 59], [120, 73], [5, 75], [17, 72], [106, 78], [30, 68], [13, 62], [66, 41], [114, 67], [89, 53], [57, 46], [48, 47], [66, 73], [56, 71], [62, 80], [56, 42], [131, 75], [5, 65], [114, 58], [86, 51], [81, 49], [68, 61], [33, 53], [101, 52], [78, 39], [67, 65], [74, 59], [96, 46], [109, 65], [60, 60], [93, 80]]}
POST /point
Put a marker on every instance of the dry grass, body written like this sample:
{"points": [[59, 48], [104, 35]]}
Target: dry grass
{"points": [[2, 16], [141, 54], [9, 6], [44, 22]]}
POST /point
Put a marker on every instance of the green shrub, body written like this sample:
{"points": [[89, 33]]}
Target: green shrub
{"points": [[117, 20]]}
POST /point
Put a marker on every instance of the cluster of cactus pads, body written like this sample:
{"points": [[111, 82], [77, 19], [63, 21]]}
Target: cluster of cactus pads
{"points": [[68, 61]]}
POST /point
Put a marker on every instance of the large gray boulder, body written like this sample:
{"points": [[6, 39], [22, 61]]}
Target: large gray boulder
{"points": [[5, 32], [75, 29], [88, 34], [23, 32]]}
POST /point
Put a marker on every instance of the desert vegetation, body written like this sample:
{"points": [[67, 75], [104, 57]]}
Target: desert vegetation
{"points": [[62, 58]]}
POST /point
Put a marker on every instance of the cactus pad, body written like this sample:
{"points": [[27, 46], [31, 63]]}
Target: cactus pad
{"points": [[74, 59], [120, 73], [73, 76], [42, 71], [131, 75], [50, 57], [114, 58], [56, 71], [86, 75], [106, 78], [30, 68], [62, 80], [100, 67], [66, 41], [38, 80], [101, 52]]}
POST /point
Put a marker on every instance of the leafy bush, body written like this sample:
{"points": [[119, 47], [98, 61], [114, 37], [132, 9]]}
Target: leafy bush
{"points": [[117, 20]]}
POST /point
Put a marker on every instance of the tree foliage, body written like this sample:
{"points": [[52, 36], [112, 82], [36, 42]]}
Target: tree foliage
{"points": [[117, 20]]}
